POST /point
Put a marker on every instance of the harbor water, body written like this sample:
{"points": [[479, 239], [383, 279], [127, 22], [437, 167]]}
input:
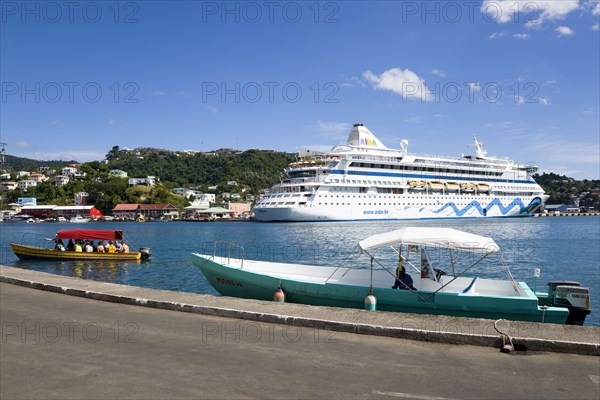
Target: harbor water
{"points": [[563, 248]]}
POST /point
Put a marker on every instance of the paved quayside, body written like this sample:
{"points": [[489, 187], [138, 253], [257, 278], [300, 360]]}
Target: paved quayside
{"points": [[454, 330], [58, 347]]}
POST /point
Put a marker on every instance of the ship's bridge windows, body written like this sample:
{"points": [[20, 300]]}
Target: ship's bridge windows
{"points": [[302, 174]]}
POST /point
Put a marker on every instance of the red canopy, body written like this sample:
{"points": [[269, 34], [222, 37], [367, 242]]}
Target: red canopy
{"points": [[90, 234]]}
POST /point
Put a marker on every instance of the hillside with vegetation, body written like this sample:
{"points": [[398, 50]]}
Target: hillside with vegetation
{"points": [[13, 163], [564, 190], [252, 170], [256, 169]]}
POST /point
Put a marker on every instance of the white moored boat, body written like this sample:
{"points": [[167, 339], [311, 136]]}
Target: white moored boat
{"points": [[365, 180]]}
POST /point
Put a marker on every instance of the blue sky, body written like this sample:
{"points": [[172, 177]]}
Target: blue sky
{"points": [[79, 78]]}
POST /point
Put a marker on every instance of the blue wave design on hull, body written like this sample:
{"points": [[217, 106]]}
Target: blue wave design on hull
{"points": [[534, 204]]}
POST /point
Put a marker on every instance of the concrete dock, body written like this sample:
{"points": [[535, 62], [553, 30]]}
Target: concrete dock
{"points": [[56, 346]]}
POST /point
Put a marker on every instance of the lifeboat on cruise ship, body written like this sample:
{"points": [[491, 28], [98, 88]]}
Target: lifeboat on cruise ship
{"points": [[416, 184], [435, 185], [467, 187], [451, 186], [483, 187]]}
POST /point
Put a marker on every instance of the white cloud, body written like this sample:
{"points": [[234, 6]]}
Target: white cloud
{"points": [[440, 115], [519, 100], [111, 121], [497, 35], [522, 36], [589, 111], [596, 9], [22, 144], [544, 101], [561, 151], [352, 82], [210, 108], [403, 82], [158, 93], [565, 31], [503, 11], [439, 72], [414, 119], [596, 27], [333, 128], [550, 82]]}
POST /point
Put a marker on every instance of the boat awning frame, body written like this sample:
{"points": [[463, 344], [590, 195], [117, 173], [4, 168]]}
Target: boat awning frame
{"points": [[431, 237], [90, 234]]}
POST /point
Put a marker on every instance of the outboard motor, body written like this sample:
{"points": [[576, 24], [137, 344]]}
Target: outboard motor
{"points": [[572, 296], [146, 252]]}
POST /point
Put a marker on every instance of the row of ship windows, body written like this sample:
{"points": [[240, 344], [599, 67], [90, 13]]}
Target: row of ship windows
{"points": [[389, 197], [291, 203], [422, 169]]}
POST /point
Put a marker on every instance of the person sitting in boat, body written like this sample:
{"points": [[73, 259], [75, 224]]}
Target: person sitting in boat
{"points": [[59, 245], [78, 247], [118, 246], [70, 245], [111, 247], [124, 248], [100, 247], [403, 280], [88, 247]]}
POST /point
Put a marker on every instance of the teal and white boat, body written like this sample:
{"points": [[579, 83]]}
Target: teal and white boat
{"points": [[435, 292]]}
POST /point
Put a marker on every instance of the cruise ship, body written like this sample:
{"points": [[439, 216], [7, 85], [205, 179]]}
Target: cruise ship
{"points": [[365, 180]]}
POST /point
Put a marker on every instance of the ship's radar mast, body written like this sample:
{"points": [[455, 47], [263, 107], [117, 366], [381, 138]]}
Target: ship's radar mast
{"points": [[404, 146], [480, 150]]}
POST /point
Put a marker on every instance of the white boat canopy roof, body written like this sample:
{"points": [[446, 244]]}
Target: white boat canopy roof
{"points": [[431, 237]]}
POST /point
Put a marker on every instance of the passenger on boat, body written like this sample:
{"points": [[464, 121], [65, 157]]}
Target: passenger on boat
{"points": [[70, 245], [100, 247], [118, 246], [403, 280], [88, 247], [59, 245], [124, 248], [111, 247], [78, 247]]}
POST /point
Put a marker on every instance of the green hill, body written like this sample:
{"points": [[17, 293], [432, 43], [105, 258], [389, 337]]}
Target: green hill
{"points": [[13, 163]]}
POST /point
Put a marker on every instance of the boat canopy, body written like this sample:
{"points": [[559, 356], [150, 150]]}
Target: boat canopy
{"points": [[431, 237], [90, 234]]}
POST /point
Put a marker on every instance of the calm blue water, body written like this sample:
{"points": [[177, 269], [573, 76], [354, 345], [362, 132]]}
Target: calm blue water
{"points": [[563, 248]]}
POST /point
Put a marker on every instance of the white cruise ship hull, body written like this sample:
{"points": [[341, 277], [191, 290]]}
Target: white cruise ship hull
{"points": [[474, 209]]}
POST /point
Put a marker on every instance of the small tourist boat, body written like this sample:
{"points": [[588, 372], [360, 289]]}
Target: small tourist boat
{"points": [[46, 248], [78, 219], [435, 292]]}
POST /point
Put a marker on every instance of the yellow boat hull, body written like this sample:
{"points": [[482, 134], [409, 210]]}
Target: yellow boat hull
{"points": [[39, 253]]}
